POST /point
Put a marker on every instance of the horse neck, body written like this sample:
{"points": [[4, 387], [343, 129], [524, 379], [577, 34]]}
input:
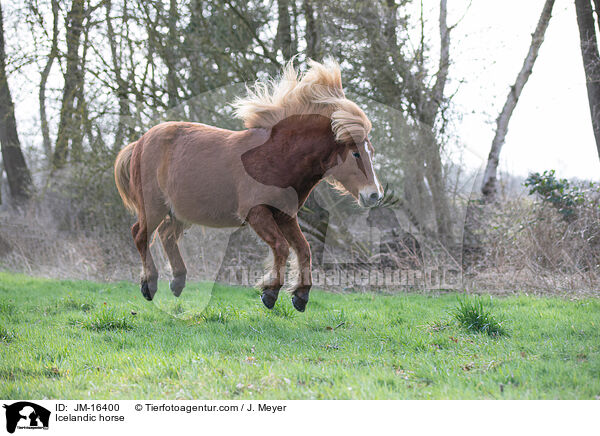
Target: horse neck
{"points": [[312, 142]]}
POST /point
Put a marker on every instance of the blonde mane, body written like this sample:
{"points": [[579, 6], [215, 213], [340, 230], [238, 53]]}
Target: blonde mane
{"points": [[318, 91]]}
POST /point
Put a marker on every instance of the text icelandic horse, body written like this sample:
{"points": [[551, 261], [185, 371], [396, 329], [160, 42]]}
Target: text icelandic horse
{"points": [[299, 130]]}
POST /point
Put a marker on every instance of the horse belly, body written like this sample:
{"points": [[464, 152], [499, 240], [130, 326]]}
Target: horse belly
{"points": [[201, 193], [209, 204]]}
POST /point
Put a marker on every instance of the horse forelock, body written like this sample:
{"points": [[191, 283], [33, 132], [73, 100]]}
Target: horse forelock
{"points": [[318, 91]]}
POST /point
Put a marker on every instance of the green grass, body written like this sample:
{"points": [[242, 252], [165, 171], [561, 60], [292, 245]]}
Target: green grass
{"points": [[105, 319], [76, 340], [473, 315]]}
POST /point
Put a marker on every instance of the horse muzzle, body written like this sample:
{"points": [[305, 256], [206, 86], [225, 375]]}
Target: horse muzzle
{"points": [[369, 197]]}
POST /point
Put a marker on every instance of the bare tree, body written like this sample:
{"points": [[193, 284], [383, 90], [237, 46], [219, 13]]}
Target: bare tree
{"points": [[173, 42], [44, 80], [426, 105], [399, 78], [17, 173], [121, 90], [489, 185], [73, 79], [427, 115], [591, 60]]}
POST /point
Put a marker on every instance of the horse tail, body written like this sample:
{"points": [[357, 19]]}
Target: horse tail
{"points": [[122, 177]]}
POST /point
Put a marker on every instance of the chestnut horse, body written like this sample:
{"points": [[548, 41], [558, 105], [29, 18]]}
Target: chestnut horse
{"points": [[299, 130]]}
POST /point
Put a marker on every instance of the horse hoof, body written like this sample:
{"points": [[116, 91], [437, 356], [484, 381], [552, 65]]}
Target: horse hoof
{"points": [[268, 300], [148, 290], [299, 303], [177, 285]]}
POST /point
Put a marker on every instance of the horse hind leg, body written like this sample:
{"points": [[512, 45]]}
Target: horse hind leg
{"points": [[170, 231], [142, 231]]}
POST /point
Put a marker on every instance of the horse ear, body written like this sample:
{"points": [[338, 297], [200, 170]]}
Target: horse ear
{"points": [[5, 406]]}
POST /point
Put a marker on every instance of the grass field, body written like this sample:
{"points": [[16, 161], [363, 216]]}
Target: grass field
{"points": [[74, 339]]}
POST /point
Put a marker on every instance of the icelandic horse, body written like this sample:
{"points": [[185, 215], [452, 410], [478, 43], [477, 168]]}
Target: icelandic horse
{"points": [[300, 129]]}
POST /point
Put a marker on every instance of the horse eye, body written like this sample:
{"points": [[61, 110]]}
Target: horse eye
{"points": [[356, 154]]}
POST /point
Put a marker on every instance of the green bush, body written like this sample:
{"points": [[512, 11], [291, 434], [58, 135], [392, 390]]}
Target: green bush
{"points": [[559, 193]]}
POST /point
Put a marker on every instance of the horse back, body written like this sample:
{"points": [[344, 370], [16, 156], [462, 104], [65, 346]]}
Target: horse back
{"points": [[196, 169]]}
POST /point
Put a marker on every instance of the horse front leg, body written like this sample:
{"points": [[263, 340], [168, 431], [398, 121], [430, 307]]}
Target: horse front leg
{"points": [[263, 223], [293, 234]]}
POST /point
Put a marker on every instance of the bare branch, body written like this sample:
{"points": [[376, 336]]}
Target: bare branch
{"points": [[489, 187]]}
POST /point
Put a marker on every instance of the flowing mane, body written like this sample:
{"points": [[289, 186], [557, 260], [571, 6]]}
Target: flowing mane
{"points": [[317, 91]]}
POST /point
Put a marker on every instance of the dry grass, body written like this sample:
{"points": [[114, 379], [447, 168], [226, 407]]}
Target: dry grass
{"points": [[514, 247], [34, 245], [525, 246]]}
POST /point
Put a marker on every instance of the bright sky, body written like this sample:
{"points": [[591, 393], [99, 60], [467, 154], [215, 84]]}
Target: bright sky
{"points": [[551, 126]]}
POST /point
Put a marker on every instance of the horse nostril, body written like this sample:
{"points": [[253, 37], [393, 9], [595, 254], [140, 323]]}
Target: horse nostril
{"points": [[374, 196]]}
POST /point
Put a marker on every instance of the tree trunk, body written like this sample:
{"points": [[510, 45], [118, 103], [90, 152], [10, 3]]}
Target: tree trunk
{"points": [[172, 88], [435, 178], [166, 46], [81, 123], [428, 108], [121, 88], [313, 43], [193, 48], [489, 186], [434, 171], [67, 126], [591, 61], [17, 173], [423, 162], [284, 39], [44, 80]]}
